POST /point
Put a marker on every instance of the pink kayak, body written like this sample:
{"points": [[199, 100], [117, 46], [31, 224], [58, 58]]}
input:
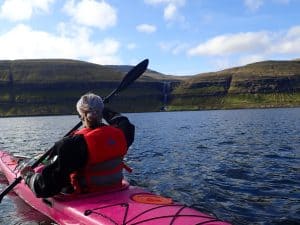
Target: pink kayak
{"points": [[130, 205]]}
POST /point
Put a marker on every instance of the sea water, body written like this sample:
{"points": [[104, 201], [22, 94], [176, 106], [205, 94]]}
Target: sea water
{"points": [[241, 165]]}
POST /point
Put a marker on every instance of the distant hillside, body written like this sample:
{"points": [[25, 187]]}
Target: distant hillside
{"points": [[54, 71], [52, 86], [262, 84]]}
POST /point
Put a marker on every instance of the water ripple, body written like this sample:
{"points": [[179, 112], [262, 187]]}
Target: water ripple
{"points": [[242, 165]]}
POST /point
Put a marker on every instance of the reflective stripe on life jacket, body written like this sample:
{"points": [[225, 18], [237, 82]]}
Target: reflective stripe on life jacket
{"points": [[106, 148]]}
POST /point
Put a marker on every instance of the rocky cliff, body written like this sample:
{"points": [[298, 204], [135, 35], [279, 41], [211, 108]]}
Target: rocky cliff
{"points": [[263, 84], [40, 87]]}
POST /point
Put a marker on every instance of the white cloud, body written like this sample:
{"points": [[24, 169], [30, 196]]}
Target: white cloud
{"points": [[171, 8], [232, 43], [287, 43], [105, 52], [253, 5], [244, 48], [18, 10], [170, 12], [146, 28], [92, 13], [22, 42], [131, 46]]}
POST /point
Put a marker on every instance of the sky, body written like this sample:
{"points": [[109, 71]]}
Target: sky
{"points": [[179, 37]]}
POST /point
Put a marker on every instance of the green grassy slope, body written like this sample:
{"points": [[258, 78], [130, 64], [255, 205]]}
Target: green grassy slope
{"points": [[263, 84], [52, 86]]}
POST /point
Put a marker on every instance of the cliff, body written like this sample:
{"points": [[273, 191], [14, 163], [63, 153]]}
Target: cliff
{"points": [[257, 85], [43, 87]]}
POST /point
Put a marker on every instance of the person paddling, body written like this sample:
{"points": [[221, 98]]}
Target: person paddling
{"points": [[90, 159]]}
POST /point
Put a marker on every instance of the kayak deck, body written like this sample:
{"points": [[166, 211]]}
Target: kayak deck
{"points": [[130, 205]]}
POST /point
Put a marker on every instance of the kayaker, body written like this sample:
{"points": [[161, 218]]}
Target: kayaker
{"points": [[89, 160]]}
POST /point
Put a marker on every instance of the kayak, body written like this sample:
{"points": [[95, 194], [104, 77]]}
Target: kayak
{"points": [[129, 205]]}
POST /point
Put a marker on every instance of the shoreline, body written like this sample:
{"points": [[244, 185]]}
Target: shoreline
{"points": [[181, 110]]}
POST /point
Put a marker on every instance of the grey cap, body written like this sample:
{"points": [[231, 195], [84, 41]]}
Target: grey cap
{"points": [[90, 105]]}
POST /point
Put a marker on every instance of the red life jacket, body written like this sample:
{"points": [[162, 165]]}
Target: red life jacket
{"points": [[106, 149]]}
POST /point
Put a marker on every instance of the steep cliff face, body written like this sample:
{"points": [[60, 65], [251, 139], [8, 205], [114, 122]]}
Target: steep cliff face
{"points": [[266, 77], [264, 84], [40, 87], [35, 87]]}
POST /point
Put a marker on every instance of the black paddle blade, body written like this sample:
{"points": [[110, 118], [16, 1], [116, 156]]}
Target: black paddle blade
{"points": [[129, 78]]}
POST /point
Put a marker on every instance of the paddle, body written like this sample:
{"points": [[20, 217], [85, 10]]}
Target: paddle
{"points": [[128, 79]]}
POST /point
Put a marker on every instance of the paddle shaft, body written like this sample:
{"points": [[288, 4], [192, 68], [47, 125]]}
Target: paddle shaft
{"points": [[129, 78]]}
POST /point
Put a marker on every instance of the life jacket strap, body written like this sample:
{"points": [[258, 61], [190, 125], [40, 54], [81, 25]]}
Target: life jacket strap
{"points": [[101, 175], [127, 168]]}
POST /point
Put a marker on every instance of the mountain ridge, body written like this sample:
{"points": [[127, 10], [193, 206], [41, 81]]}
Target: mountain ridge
{"points": [[52, 86]]}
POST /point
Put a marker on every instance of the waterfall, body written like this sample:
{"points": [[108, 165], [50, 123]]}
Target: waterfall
{"points": [[166, 92]]}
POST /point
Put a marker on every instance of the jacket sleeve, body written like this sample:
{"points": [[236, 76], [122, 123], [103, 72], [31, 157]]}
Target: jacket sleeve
{"points": [[71, 155], [121, 122]]}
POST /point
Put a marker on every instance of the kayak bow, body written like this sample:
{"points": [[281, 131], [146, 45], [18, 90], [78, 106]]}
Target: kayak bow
{"points": [[130, 205]]}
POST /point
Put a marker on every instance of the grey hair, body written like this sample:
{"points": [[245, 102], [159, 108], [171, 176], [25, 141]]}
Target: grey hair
{"points": [[91, 106]]}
